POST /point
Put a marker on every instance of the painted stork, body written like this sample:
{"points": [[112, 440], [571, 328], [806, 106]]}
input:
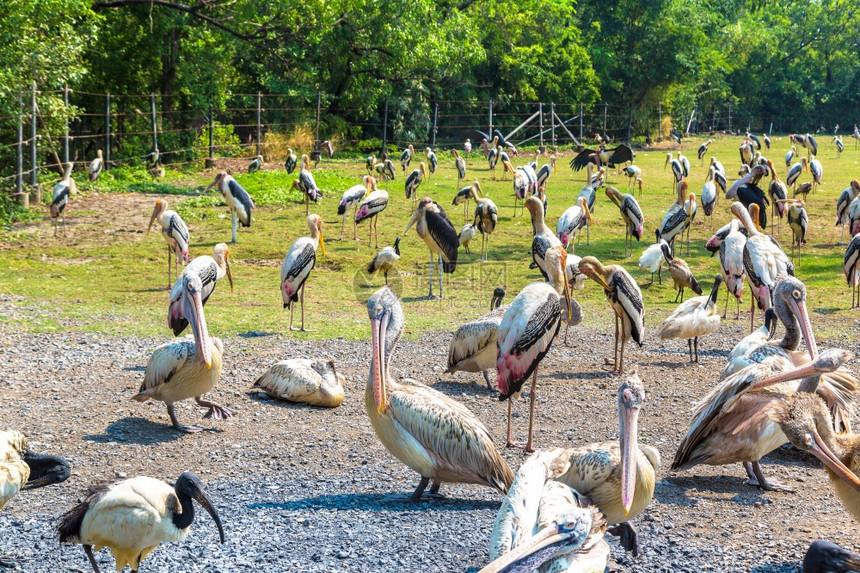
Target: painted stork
{"points": [[434, 227], [429, 432], [778, 194], [352, 197], [619, 476], [756, 142], [798, 139], [526, 333], [851, 268], [486, 219], [305, 381], [385, 260], [632, 215], [460, 164], [210, 270], [63, 190], [467, 146], [373, 204], [840, 146], [386, 169], [790, 155], [766, 141], [545, 525], [292, 160], [854, 217], [406, 157], [413, 181], [845, 198], [682, 276], [96, 166], [652, 258], [572, 221], [369, 163], [237, 199], [174, 231], [685, 164], [467, 235], [703, 149], [811, 145], [543, 238], [134, 516], [464, 196], [817, 170], [697, 317], [633, 173], [795, 171], [677, 169], [186, 369], [307, 185], [732, 264], [432, 160], [676, 217], [474, 346], [298, 264], [798, 221], [624, 296], [255, 164], [709, 193]]}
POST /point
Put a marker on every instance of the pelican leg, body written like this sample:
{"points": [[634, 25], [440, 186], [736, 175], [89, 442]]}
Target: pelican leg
{"points": [[422, 485], [215, 411], [762, 482], [532, 397], [434, 488], [627, 537], [431, 276], [187, 429], [690, 348], [88, 549], [487, 380]]}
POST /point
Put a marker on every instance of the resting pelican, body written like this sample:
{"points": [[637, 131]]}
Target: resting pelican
{"points": [[738, 358], [434, 227], [184, 369], [474, 346], [210, 270], [544, 525], [314, 382], [618, 477], [238, 200], [696, 317], [134, 516], [175, 232], [429, 432], [298, 264]]}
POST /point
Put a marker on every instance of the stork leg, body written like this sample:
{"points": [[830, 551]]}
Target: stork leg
{"points": [[566, 328], [752, 309], [354, 225], [738, 313], [187, 429], [292, 308], [307, 204], [696, 348], [441, 269], [168, 266], [509, 443], [431, 275], [487, 380], [842, 235], [726, 309], [342, 225], [376, 230], [88, 549], [588, 234], [627, 537], [385, 273], [762, 482], [533, 396], [302, 303], [621, 357]]}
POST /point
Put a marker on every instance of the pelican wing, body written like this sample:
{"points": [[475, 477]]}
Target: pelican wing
{"points": [[473, 337], [166, 360], [293, 380], [14, 472], [591, 465]]}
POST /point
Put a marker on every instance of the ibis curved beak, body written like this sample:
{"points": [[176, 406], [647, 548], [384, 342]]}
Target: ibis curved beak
{"points": [[200, 497], [378, 325], [629, 447]]}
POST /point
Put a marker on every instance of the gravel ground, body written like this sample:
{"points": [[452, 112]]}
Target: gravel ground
{"points": [[301, 489]]}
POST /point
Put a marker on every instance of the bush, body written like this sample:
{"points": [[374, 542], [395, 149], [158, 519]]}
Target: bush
{"points": [[224, 138]]}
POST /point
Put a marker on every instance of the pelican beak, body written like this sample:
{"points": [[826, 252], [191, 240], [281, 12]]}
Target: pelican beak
{"points": [[193, 311], [629, 446], [229, 272], [805, 327], [544, 538], [829, 361], [200, 497], [378, 325], [820, 450]]}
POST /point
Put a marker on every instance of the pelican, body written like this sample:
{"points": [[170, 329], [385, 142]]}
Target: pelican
{"points": [[474, 346], [298, 264], [703, 149], [544, 239], [134, 516], [429, 432], [680, 272], [466, 235], [826, 557], [373, 204], [790, 155], [434, 227], [624, 296], [619, 476], [845, 198], [255, 164], [460, 164], [545, 525], [696, 317], [709, 193], [486, 219], [652, 258], [175, 232], [527, 331], [817, 170], [351, 198], [732, 264], [210, 270], [571, 222], [385, 260], [798, 221], [631, 213], [851, 268], [186, 369], [292, 160], [432, 160], [314, 382], [96, 166], [413, 181], [63, 190], [406, 157], [237, 199]]}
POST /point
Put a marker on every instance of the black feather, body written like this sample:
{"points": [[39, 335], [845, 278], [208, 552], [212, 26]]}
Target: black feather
{"points": [[69, 527]]}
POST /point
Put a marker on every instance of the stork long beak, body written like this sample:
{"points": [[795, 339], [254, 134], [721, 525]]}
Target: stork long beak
{"points": [[820, 450], [508, 167], [200, 497], [155, 212], [214, 182], [193, 311], [613, 193], [805, 327], [322, 240], [629, 417], [542, 539], [377, 364], [587, 211], [598, 278], [229, 273], [829, 361], [412, 220]]}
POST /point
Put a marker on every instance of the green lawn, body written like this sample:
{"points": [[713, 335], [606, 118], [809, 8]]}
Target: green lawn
{"points": [[114, 281]]}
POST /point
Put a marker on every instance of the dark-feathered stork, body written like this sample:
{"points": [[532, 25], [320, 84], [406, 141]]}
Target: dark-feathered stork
{"points": [[434, 227], [611, 157], [307, 185], [753, 177], [766, 141], [328, 147], [255, 164], [827, 557], [432, 160], [754, 138], [811, 145], [96, 166], [413, 181], [406, 157], [493, 158], [798, 139], [460, 164], [297, 266], [352, 197], [373, 204], [752, 194], [63, 189], [803, 190], [632, 214], [237, 199], [210, 270], [709, 193], [544, 239], [175, 233], [624, 296], [798, 220], [486, 218], [851, 268], [675, 221], [845, 198], [795, 171], [677, 169], [673, 133], [292, 160], [703, 149], [464, 196], [817, 170]]}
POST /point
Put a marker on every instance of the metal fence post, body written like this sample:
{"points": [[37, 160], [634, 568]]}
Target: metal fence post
{"points": [[580, 120], [605, 113], [630, 122], [19, 164], [435, 117], [259, 120], [385, 127], [34, 147], [107, 132], [154, 122], [552, 122], [540, 125], [66, 122], [317, 132], [491, 119]]}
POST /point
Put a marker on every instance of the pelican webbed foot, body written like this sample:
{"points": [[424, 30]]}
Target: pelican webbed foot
{"points": [[627, 538], [215, 411], [757, 479], [175, 421]]}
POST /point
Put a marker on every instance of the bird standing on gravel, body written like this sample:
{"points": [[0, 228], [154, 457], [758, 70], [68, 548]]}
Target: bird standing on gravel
{"points": [[696, 317], [298, 264], [474, 346], [210, 270], [175, 232], [314, 382], [431, 433]]}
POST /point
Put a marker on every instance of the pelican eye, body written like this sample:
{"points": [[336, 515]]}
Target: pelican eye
{"points": [[796, 294], [807, 439]]}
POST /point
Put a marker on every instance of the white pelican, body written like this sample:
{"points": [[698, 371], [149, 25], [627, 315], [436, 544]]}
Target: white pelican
{"points": [[845, 198], [237, 199], [255, 164], [134, 516], [696, 317], [298, 264], [290, 163], [732, 264], [314, 382], [624, 296], [429, 432], [571, 222], [473, 347], [544, 239], [63, 190], [652, 258], [352, 197], [434, 227], [406, 157], [371, 206], [413, 181], [544, 525], [186, 369], [486, 219], [210, 270], [682, 276], [385, 260], [175, 232], [631, 213], [618, 476], [851, 268], [527, 331], [96, 166]]}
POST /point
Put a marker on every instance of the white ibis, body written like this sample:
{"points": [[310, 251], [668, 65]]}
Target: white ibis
{"points": [[174, 231], [292, 160], [634, 221], [682, 276], [798, 221], [486, 219], [237, 199], [305, 381], [817, 170], [385, 260], [352, 197], [845, 198], [732, 264], [432, 160], [134, 516], [298, 264], [186, 369], [63, 190], [210, 270], [527, 331], [96, 167], [703, 149], [851, 268], [429, 432], [696, 317], [709, 193], [624, 296], [474, 347], [543, 238], [460, 165], [413, 181], [406, 157], [255, 164], [572, 221], [373, 204], [790, 155], [434, 227], [652, 258]]}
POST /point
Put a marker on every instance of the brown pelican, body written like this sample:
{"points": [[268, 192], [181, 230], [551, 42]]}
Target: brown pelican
{"points": [[474, 346], [175, 232], [134, 516], [314, 382], [429, 432], [210, 270], [619, 476], [432, 225], [297, 266]]}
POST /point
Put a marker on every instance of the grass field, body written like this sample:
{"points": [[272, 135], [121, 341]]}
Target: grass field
{"points": [[107, 276]]}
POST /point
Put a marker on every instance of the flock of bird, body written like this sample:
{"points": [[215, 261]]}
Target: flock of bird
{"points": [[561, 501]]}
